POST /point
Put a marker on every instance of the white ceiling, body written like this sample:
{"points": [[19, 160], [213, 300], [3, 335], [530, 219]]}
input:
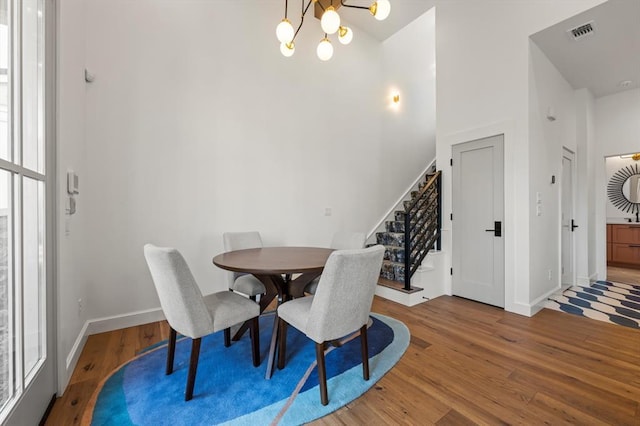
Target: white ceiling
{"points": [[402, 13], [599, 62], [603, 60]]}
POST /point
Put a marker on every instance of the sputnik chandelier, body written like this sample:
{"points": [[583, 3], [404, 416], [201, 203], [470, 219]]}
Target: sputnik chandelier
{"points": [[330, 23]]}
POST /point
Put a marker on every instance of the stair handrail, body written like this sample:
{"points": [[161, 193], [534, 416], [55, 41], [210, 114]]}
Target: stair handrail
{"points": [[409, 269], [424, 189]]}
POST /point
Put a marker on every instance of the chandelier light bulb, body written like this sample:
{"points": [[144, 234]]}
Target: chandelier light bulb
{"points": [[324, 50], [287, 49], [345, 35], [284, 31], [330, 21], [380, 9]]}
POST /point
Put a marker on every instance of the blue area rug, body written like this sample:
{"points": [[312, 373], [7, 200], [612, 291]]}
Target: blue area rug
{"points": [[229, 390], [616, 303]]}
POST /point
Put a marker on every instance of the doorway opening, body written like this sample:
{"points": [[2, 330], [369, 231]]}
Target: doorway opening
{"points": [[623, 223]]}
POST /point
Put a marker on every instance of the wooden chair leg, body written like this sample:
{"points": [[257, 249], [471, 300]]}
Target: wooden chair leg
{"points": [[282, 344], [171, 350], [255, 341], [365, 352], [227, 337], [322, 373], [193, 368]]}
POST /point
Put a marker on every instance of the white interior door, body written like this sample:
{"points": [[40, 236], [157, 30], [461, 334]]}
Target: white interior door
{"points": [[478, 216], [27, 343], [567, 218]]}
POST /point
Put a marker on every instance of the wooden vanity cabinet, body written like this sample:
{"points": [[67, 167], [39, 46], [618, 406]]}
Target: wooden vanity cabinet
{"points": [[623, 245]]}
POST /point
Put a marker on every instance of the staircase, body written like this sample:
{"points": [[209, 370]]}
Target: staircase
{"points": [[414, 230]]}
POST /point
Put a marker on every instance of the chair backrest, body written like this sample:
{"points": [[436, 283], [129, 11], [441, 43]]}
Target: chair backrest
{"points": [[180, 296], [348, 240], [240, 241], [342, 302]]}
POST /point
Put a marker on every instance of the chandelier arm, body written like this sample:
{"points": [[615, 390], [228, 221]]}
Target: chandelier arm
{"points": [[304, 12], [286, 7], [342, 3]]}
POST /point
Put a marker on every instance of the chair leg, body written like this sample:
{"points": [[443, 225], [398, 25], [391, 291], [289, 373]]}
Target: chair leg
{"points": [[322, 373], [255, 341], [171, 350], [193, 368], [282, 344], [227, 337], [365, 352]]}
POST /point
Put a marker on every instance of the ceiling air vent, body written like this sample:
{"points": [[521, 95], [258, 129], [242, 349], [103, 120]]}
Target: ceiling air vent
{"points": [[582, 31]]}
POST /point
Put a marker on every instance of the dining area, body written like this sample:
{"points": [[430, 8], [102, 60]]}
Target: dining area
{"points": [[312, 303]]}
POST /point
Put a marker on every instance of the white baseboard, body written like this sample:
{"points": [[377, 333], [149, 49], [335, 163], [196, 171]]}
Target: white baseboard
{"points": [[101, 325], [583, 281], [116, 322], [538, 304]]}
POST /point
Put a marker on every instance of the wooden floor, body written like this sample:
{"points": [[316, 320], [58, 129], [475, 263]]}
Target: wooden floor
{"points": [[623, 275], [467, 363]]}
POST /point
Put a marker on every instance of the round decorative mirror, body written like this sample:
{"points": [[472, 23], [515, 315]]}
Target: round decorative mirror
{"points": [[624, 189]]}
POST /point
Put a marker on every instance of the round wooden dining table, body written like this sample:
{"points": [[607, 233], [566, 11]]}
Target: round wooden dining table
{"points": [[274, 267]]}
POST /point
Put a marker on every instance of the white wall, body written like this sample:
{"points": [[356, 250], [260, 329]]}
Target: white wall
{"points": [[585, 188], [617, 128], [190, 135], [482, 53], [71, 154], [409, 130], [547, 89]]}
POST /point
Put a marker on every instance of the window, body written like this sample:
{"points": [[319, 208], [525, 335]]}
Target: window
{"points": [[22, 199]]}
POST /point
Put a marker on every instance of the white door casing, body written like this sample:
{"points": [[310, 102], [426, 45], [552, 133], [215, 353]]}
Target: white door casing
{"points": [[478, 220], [567, 220]]}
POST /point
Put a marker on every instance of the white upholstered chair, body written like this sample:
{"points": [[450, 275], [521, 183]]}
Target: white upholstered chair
{"points": [[243, 283], [190, 313], [238, 281], [340, 306], [340, 241]]}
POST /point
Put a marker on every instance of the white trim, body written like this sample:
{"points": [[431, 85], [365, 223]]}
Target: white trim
{"points": [[72, 359], [582, 281], [117, 322], [538, 304], [516, 279], [401, 199], [101, 325]]}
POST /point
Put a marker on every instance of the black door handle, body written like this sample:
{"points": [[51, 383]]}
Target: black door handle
{"points": [[497, 229], [573, 225]]}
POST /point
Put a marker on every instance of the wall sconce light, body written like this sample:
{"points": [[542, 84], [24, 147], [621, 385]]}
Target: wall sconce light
{"points": [[396, 98]]}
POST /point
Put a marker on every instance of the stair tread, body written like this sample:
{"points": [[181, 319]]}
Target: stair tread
{"points": [[397, 285], [389, 262]]}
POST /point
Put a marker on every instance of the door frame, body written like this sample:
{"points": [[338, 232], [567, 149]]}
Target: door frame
{"points": [[516, 207], [23, 412], [498, 211], [572, 157]]}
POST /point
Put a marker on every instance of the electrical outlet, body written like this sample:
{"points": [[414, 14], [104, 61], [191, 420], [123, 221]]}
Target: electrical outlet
{"points": [[549, 274], [327, 211], [80, 305]]}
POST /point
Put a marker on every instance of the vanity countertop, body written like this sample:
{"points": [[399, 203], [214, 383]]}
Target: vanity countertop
{"points": [[620, 221]]}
